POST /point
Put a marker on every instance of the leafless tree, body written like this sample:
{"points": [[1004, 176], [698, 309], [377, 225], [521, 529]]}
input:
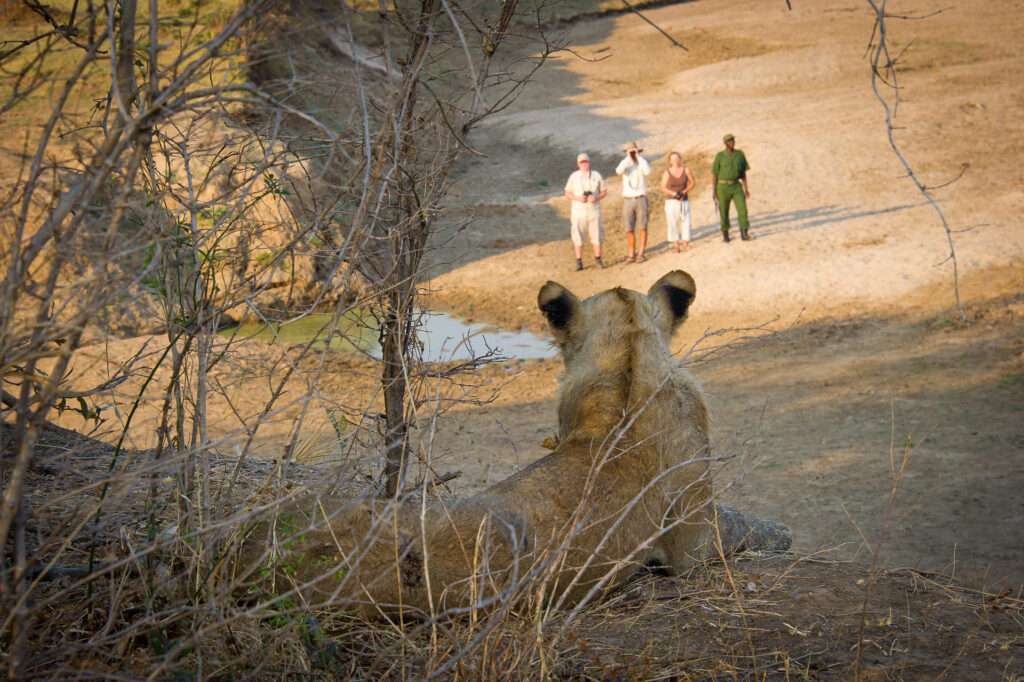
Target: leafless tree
{"points": [[416, 118]]}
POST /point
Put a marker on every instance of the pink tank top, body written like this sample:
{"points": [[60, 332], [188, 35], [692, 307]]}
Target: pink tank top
{"points": [[676, 184]]}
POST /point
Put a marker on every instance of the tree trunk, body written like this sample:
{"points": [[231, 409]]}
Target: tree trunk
{"points": [[393, 346], [408, 237]]}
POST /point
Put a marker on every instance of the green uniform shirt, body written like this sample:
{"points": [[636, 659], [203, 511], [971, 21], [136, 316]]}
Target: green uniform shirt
{"points": [[730, 166]]}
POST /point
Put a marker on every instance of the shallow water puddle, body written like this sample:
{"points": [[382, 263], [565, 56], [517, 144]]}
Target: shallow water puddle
{"points": [[443, 337]]}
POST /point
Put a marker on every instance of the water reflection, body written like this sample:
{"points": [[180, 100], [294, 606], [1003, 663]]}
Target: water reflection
{"points": [[442, 336]]}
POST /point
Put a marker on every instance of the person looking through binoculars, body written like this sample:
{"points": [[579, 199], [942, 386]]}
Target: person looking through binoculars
{"points": [[634, 170]]}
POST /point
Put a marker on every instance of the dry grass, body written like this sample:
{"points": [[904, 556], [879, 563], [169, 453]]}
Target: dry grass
{"points": [[754, 617]]}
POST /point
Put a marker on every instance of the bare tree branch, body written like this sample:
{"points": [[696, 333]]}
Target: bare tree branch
{"points": [[883, 63]]}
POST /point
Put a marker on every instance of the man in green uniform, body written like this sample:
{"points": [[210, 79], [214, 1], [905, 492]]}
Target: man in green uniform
{"points": [[730, 184]]}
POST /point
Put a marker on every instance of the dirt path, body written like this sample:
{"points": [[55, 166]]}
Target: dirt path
{"points": [[845, 261], [837, 226]]}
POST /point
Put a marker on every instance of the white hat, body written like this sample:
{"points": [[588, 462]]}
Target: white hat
{"points": [[582, 156]]}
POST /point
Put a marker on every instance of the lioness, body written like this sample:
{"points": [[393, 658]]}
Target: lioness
{"points": [[626, 486]]}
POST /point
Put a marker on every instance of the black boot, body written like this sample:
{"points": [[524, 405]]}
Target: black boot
{"points": [[745, 235], [725, 237], [579, 264]]}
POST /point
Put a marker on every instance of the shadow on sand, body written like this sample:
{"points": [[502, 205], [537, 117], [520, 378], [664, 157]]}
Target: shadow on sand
{"points": [[781, 222]]}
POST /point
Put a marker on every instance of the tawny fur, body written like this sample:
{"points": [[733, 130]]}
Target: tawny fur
{"points": [[628, 414]]}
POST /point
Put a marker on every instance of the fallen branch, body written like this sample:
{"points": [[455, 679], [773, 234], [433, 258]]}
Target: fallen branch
{"points": [[656, 27]]}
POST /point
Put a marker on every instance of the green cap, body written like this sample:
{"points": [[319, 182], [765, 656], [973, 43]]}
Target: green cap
{"points": [[728, 137]]}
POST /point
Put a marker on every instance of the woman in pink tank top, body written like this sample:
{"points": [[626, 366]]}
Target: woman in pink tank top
{"points": [[676, 184]]}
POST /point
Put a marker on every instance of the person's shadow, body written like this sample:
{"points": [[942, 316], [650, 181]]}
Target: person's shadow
{"points": [[780, 222]]}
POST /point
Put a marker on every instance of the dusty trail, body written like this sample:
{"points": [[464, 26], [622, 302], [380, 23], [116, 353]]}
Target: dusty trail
{"points": [[846, 261], [837, 225]]}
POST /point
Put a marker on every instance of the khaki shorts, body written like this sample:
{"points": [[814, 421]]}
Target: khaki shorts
{"points": [[586, 226], [634, 210]]}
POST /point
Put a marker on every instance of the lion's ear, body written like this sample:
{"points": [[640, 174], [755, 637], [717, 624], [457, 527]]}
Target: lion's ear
{"points": [[672, 296], [560, 307]]}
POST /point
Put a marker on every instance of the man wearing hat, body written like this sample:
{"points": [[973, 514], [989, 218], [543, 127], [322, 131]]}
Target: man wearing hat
{"points": [[585, 188], [730, 184], [634, 170]]}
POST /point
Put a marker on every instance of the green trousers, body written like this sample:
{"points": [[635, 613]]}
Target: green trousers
{"points": [[727, 193]]}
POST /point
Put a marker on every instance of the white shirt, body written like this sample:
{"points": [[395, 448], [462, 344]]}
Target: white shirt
{"points": [[634, 182], [580, 182]]}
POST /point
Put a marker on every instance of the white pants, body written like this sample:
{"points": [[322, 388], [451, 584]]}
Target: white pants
{"points": [[584, 225], [677, 219]]}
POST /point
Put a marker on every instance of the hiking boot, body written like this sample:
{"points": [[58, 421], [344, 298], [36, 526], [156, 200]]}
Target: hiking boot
{"points": [[725, 237], [745, 236], [600, 263], [579, 265]]}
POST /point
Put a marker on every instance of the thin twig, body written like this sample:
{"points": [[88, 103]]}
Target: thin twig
{"points": [[881, 62]]}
